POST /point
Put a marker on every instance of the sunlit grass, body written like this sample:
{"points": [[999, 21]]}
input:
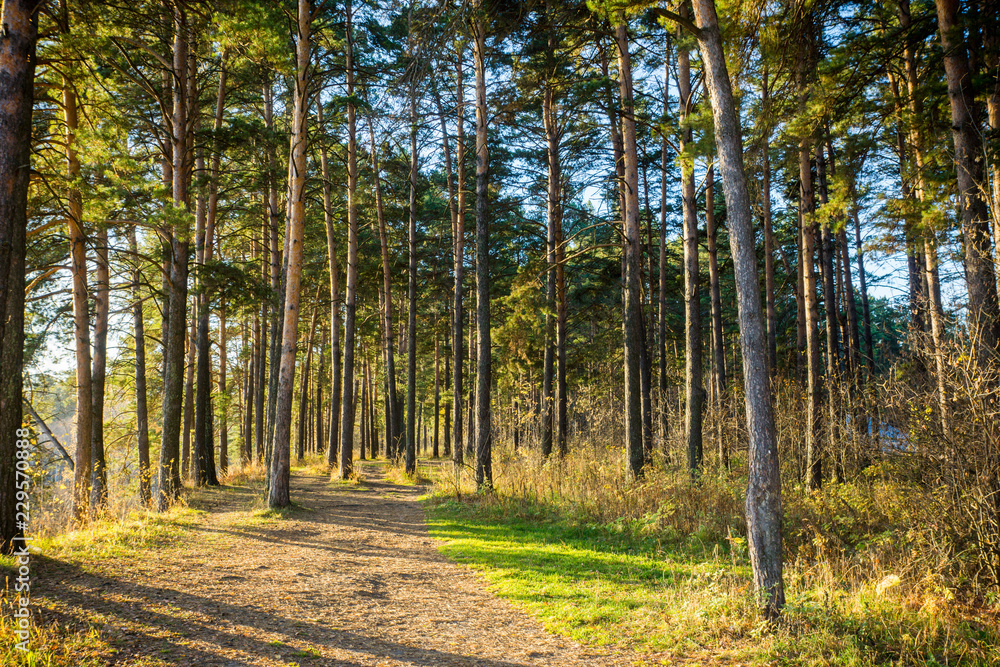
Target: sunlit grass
{"points": [[690, 597]]}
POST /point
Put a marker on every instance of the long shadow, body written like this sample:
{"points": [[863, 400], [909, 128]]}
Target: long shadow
{"points": [[61, 582]]}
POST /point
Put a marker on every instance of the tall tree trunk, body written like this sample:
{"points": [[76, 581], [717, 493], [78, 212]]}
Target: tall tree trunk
{"points": [[718, 344], [276, 258], [437, 393], [223, 422], [17, 72], [168, 476], [634, 450], [280, 464], [189, 367], [828, 275], [141, 405], [334, 269], [484, 371], [411, 329], [662, 297], [99, 474], [205, 240], [81, 314], [320, 410], [453, 211], [393, 419], [347, 420], [300, 448], [450, 398], [930, 267], [458, 241], [554, 212], [980, 272], [772, 316], [203, 458], [692, 301], [814, 377], [763, 504]]}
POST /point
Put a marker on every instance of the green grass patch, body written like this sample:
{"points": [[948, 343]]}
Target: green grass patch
{"points": [[591, 583], [691, 599], [119, 537]]}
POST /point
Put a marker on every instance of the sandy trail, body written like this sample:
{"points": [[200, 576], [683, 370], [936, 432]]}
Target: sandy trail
{"points": [[353, 578]]}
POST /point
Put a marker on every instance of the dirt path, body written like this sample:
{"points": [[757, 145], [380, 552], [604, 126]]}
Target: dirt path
{"points": [[352, 579]]}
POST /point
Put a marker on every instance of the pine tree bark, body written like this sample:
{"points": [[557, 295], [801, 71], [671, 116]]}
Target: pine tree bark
{"points": [[484, 370], [662, 296], [634, 450], [718, 344], [334, 269], [694, 391], [141, 403], [411, 329], [393, 418], [81, 314], [223, 422], [553, 211], [168, 476], [458, 241], [17, 72], [814, 373], [769, 288], [203, 458], [763, 504], [300, 442], [280, 464], [347, 402], [102, 312], [436, 452], [189, 368], [980, 272]]}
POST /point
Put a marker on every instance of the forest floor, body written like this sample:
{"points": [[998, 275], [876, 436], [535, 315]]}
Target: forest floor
{"points": [[348, 576]]}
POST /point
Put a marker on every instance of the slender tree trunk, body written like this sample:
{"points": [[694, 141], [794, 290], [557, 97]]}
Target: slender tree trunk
{"points": [[458, 241], [763, 504], [437, 394], [814, 378], [223, 422], [347, 421], [334, 268], [189, 367], [203, 458], [930, 267], [450, 398], [635, 453], [277, 258], [692, 301], [99, 474], [81, 315], [393, 419], [484, 371], [718, 345], [300, 448], [280, 465], [141, 405], [17, 71], [980, 272], [320, 410], [828, 274], [662, 306], [411, 329], [554, 211], [772, 315], [168, 476]]}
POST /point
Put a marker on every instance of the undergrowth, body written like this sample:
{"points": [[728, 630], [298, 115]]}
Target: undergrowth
{"points": [[871, 578]]}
